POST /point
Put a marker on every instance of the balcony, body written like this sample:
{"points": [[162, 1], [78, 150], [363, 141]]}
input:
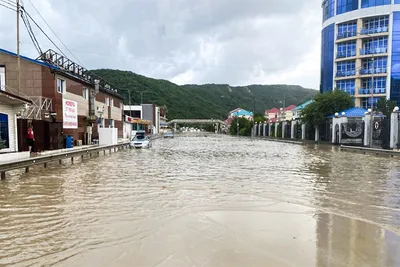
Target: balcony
{"points": [[366, 31], [377, 91], [373, 51], [344, 35], [365, 71], [345, 73], [351, 53]]}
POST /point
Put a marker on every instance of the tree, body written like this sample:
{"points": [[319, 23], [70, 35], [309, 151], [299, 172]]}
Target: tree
{"points": [[245, 127], [259, 118], [385, 106], [324, 105]]}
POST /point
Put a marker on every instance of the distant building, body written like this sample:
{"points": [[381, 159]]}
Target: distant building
{"points": [[283, 114], [242, 113], [298, 110], [146, 115]]}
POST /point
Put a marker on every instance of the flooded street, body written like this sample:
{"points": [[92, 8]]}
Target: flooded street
{"points": [[205, 201]]}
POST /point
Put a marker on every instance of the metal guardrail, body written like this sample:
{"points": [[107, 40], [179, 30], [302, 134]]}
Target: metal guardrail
{"points": [[26, 163], [372, 151]]}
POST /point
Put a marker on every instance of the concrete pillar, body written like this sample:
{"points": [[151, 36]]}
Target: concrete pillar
{"points": [[269, 129], [316, 134], [367, 129], [276, 129], [175, 127], [265, 128], [292, 129], [394, 129], [303, 131]]}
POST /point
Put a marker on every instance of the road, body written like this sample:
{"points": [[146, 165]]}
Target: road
{"points": [[205, 201]]}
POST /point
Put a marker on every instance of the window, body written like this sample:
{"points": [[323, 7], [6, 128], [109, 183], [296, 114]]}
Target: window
{"points": [[4, 141], [371, 3], [85, 93], [395, 73], [380, 65], [347, 29], [328, 9], [346, 68], [111, 123], [60, 86], [374, 46], [327, 63], [344, 6], [347, 49], [111, 102], [366, 102], [371, 25], [2, 78], [107, 101], [347, 86]]}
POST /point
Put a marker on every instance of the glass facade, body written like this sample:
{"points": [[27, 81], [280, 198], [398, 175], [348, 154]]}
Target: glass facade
{"points": [[376, 45], [346, 68], [344, 6], [347, 86], [327, 58], [375, 25], [328, 9], [366, 102], [346, 30], [379, 86], [379, 65], [371, 3], [4, 140], [395, 75], [347, 49]]}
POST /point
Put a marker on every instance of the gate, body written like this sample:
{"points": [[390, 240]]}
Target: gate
{"points": [[381, 132], [353, 132], [261, 131], [297, 131], [325, 131], [48, 135], [288, 130], [273, 130]]}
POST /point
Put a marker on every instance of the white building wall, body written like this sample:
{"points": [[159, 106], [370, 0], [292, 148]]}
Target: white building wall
{"points": [[12, 127]]}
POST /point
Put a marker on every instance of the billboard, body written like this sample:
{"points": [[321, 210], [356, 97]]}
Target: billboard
{"points": [[70, 114]]}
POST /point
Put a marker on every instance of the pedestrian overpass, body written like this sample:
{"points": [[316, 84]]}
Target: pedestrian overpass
{"points": [[219, 123]]}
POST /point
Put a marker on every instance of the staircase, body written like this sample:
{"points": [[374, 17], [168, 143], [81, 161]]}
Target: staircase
{"points": [[40, 105]]}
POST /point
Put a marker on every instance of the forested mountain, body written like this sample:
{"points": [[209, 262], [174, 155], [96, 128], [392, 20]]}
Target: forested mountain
{"points": [[203, 101]]}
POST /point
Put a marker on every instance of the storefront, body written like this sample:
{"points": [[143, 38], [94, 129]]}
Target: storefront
{"points": [[11, 106]]}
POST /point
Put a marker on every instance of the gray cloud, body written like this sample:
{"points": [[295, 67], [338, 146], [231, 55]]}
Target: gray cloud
{"points": [[185, 41]]}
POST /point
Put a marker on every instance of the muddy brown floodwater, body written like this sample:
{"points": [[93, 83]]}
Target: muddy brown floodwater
{"points": [[205, 201]]}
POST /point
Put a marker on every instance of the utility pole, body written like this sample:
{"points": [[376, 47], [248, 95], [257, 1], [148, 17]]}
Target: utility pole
{"points": [[372, 103], [18, 56]]}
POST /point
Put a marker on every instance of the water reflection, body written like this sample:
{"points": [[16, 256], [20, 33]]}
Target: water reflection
{"points": [[205, 201]]}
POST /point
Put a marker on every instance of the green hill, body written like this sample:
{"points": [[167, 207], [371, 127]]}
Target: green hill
{"points": [[203, 101]]}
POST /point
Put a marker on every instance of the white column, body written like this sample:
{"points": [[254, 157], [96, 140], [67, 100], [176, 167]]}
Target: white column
{"points": [[394, 129], [269, 129], [276, 129], [292, 129], [316, 139], [265, 128], [367, 129], [303, 131]]}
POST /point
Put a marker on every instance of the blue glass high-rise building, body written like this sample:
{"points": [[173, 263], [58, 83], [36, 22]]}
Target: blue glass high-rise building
{"points": [[360, 49]]}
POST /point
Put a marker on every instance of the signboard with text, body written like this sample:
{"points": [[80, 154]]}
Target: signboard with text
{"points": [[70, 114]]}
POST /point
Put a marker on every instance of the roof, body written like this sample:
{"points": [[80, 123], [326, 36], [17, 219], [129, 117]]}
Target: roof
{"points": [[351, 113], [302, 106], [242, 112], [59, 70], [11, 99], [273, 110], [291, 107]]}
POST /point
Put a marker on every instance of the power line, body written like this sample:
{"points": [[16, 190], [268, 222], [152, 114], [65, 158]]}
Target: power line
{"points": [[8, 7], [9, 3]]}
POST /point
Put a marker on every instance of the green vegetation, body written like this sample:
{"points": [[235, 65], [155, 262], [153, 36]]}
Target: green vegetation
{"points": [[385, 106], [245, 127], [324, 105], [203, 101]]}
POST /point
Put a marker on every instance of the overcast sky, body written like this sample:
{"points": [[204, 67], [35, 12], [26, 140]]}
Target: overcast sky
{"points": [[236, 42]]}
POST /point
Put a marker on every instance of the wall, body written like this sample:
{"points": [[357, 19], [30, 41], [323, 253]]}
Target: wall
{"points": [[12, 127], [327, 58], [30, 76]]}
